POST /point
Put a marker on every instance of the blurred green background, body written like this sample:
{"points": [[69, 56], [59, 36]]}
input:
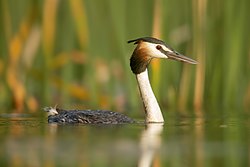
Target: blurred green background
{"points": [[75, 54]]}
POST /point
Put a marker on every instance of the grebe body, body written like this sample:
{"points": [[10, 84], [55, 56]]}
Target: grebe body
{"points": [[56, 115]]}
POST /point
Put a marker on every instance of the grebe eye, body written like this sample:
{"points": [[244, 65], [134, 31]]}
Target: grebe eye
{"points": [[158, 47]]}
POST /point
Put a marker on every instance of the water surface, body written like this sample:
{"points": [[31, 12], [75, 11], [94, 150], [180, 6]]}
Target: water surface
{"points": [[182, 141]]}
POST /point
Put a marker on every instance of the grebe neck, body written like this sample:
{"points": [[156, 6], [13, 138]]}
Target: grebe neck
{"points": [[152, 109]]}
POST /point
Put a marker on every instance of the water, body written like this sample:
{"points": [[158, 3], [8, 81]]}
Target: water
{"points": [[181, 141]]}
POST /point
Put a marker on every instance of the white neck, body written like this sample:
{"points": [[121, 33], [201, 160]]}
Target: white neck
{"points": [[152, 109]]}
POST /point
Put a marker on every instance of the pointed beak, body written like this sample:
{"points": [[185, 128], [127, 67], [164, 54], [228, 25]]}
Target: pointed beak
{"points": [[176, 56]]}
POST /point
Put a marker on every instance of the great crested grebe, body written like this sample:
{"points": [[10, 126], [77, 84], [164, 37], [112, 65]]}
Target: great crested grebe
{"points": [[147, 48]]}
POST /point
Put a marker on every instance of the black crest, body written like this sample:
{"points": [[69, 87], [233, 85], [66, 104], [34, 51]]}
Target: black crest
{"points": [[147, 39]]}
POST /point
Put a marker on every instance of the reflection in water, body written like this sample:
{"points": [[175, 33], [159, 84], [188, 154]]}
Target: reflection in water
{"points": [[150, 143], [199, 137], [188, 141], [50, 141], [53, 129]]}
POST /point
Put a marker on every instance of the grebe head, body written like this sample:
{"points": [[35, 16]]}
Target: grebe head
{"points": [[148, 48], [50, 110]]}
